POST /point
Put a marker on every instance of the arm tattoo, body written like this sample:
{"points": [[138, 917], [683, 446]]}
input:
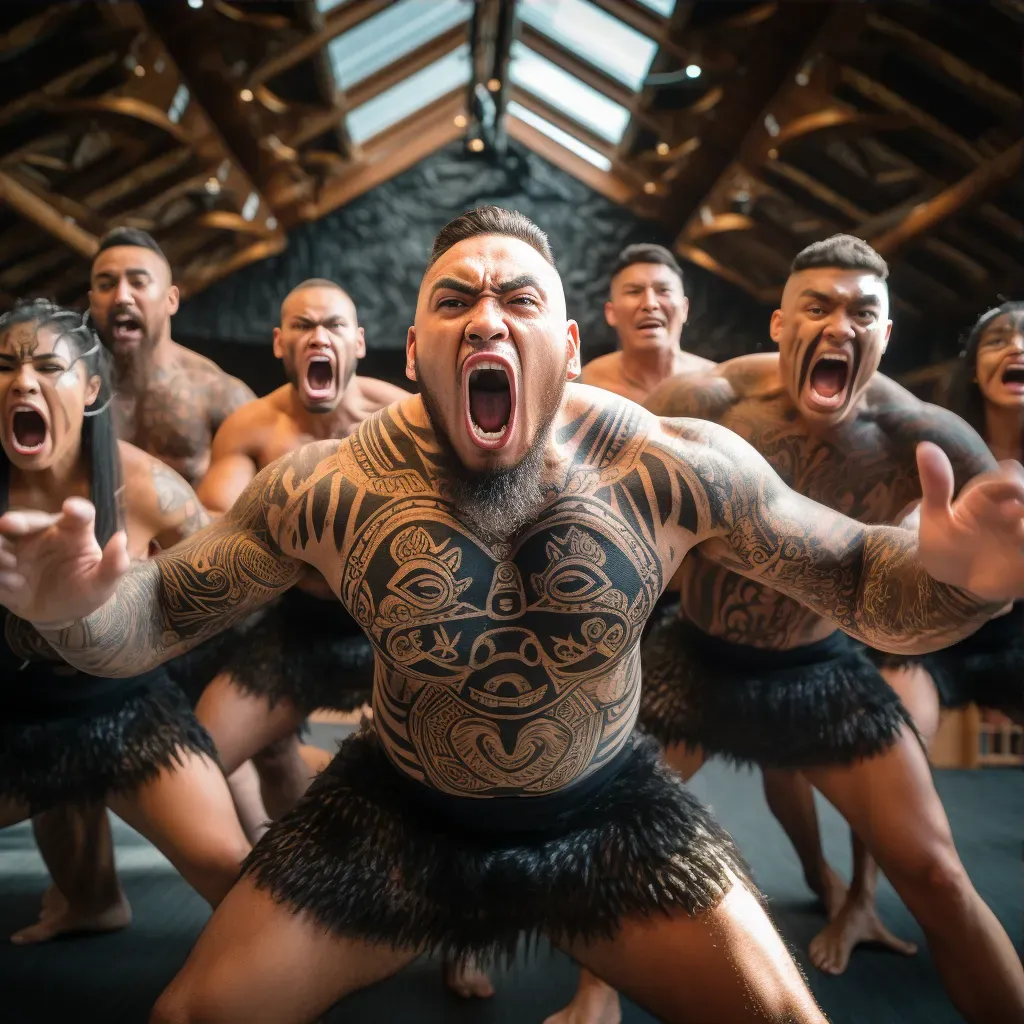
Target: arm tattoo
{"points": [[700, 396], [206, 583], [865, 579], [181, 514]]}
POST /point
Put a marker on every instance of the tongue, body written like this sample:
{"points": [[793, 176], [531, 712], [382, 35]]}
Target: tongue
{"points": [[29, 429], [490, 409], [319, 376], [828, 378]]}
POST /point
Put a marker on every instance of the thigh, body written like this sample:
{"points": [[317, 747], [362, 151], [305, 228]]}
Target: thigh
{"points": [[915, 687], [891, 803], [257, 960], [12, 812], [683, 760], [729, 964], [187, 813], [241, 723]]}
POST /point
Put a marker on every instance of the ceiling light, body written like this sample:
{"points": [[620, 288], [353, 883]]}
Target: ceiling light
{"points": [[245, 95], [662, 149], [693, 71], [650, 188], [139, 70], [195, 4], [476, 145], [461, 121], [494, 84]]}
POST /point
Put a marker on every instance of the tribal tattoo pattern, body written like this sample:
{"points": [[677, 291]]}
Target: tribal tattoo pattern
{"points": [[512, 666], [865, 468]]}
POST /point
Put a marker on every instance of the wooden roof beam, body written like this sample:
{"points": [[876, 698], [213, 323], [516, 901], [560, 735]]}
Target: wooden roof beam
{"points": [[336, 22], [42, 213], [970, 189]]}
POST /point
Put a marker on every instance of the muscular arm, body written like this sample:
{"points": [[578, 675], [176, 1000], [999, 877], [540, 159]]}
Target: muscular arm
{"points": [[703, 396], [221, 574], [227, 394], [866, 579], [170, 506], [967, 452], [232, 464]]}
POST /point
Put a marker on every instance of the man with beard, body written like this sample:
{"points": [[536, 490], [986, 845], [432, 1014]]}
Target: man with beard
{"points": [[749, 674], [501, 539], [647, 306]]}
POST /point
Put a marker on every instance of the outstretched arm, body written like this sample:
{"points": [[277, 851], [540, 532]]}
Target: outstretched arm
{"points": [[165, 606], [873, 582]]}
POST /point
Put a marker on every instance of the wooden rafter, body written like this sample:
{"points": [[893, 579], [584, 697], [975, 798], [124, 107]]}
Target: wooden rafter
{"points": [[46, 216]]}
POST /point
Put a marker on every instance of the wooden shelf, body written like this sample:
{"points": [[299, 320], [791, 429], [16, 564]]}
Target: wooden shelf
{"points": [[970, 738]]}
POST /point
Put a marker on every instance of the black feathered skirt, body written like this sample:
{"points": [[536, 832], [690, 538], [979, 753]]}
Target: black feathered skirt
{"points": [[820, 704], [373, 855], [985, 668], [306, 650], [72, 738]]}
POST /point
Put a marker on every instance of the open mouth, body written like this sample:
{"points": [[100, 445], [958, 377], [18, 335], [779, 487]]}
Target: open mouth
{"points": [[1013, 378], [319, 377], [126, 330], [829, 380], [490, 399], [650, 324], [28, 431]]}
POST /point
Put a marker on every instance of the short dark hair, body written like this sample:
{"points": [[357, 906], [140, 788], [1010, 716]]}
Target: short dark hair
{"points": [[647, 252], [844, 252], [131, 236], [490, 220], [316, 282], [960, 392], [99, 439]]}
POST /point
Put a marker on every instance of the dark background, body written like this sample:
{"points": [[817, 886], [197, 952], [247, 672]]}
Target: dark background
{"points": [[377, 247]]}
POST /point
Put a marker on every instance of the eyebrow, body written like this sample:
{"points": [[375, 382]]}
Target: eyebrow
{"points": [[455, 285], [810, 293], [130, 270]]}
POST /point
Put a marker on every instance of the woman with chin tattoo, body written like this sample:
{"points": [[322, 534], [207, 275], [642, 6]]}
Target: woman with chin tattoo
{"points": [[70, 741]]}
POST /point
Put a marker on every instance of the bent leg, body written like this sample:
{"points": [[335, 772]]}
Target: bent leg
{"points": [[916, 688], [256, 960], [791, 799], [77, 847], [244, 783], [726, 965], [284, 773], [187, 813], [891, 803]]}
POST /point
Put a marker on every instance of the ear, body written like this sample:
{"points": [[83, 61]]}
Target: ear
{"points": [[360, 343], [775, 327], [173, 299], [410, 354], [885, 340], [686, 308], [609, 314], [92, 389], [572, 349], [278, 347]]}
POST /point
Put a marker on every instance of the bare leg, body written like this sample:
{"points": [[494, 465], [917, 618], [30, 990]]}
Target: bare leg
{"points": [[857, 920], [85, 894], [186, 812], [891, 803], [791, 799], [244, 783], [596, 1002], [258, 961], [726, 965], [284, 774]]}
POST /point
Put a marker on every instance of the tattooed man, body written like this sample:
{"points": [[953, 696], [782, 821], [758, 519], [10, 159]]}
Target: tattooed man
{"points": [[749, 674], [647, 306], [501, 538]]}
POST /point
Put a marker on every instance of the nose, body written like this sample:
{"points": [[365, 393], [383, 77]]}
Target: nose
{"points": [[26, 382], [320, 339], [487, 323], [123, 294], [839, 327], [649, 299], [1017, 340]]}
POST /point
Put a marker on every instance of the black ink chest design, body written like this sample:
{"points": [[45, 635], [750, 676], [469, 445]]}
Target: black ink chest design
{"points": [[508, 655]]}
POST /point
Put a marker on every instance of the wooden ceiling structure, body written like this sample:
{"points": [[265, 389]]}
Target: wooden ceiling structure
{"points": [[758, 127]]}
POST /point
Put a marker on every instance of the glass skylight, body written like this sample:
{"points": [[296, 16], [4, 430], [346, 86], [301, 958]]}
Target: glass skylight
{"points": [[594, 35], [390, 35], [538, 75], [555, 133], [410, 95]]}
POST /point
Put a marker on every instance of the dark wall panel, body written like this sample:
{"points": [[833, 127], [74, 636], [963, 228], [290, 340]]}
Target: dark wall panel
{"points": [[377, 246]]}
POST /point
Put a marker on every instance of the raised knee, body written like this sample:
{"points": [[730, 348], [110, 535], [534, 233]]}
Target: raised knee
{"points": [[278, 756], [934, 882], [189, 1000]]}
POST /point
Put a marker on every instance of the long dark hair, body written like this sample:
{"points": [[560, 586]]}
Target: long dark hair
{"points": [[961, 393], [99, 440]]}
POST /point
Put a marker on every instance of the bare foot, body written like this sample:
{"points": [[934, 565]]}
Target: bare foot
{"points": [[57, 918], [468, 980], [855, 923], [829, 888], [594, 1003]]}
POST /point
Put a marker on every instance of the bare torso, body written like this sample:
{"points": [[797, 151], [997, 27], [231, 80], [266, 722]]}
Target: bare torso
{"points": [[612, 374], [864, 468], [175, 413]]}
